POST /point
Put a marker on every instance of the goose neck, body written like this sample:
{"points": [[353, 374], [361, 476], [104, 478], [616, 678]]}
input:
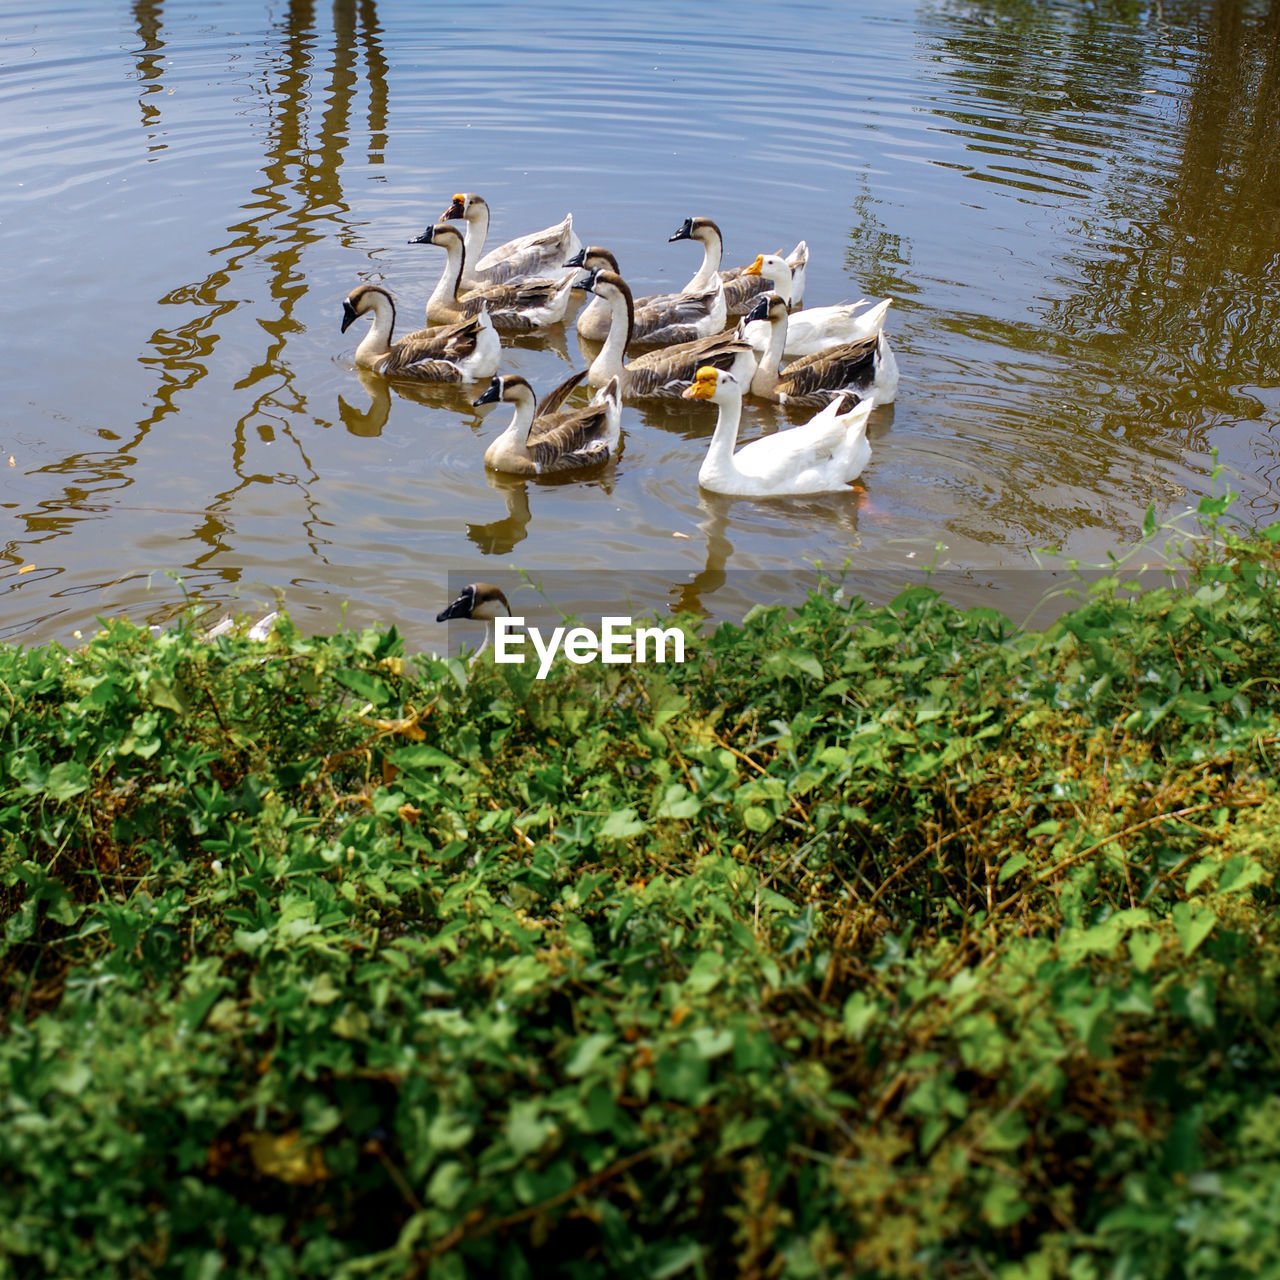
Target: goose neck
{"points": [[377, 342], [712, 252]]}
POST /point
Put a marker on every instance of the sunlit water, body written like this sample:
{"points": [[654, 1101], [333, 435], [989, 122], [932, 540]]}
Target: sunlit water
{"points": [[1075, 207]]}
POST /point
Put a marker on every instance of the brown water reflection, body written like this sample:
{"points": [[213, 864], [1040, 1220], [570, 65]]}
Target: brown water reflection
{"points": [[1076, 207]]}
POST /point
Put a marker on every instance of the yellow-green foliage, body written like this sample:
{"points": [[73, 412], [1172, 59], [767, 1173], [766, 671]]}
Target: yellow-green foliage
{"points": [[884, 942]]}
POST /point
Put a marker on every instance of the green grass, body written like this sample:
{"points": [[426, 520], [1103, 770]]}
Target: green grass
{"points": [[882, 942]]}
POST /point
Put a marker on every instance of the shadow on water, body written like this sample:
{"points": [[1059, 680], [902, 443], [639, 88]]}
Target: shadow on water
{"points": [[298, 200], [1155, 167]]}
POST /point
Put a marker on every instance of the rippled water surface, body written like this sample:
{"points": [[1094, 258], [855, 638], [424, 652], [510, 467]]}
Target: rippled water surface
{"points": [[1075, 207]]}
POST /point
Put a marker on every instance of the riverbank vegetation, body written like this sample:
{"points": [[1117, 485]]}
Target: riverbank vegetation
{"points": [[876, 941]]}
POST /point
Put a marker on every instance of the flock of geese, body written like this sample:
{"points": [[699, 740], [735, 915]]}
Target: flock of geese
{"points": [[836, 359]]}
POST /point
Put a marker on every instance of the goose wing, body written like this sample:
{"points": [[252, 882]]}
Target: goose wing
{"points": [[516, 304], [529, 254], [442, 342], [571, 439], [851, 366], [668, 371], [554, 399], [427, 370], [679, 317]]}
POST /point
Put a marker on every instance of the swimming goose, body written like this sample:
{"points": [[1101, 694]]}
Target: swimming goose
{"points": [[820, 456], [544, 438], [531, 255], [865, 367], [663, 373], [815, 328], [531, 302], [741, 284], [482, 601], [464, 352], [661, 318]]}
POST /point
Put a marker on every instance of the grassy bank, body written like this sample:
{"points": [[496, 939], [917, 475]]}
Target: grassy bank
{"points": [[875, 941]]}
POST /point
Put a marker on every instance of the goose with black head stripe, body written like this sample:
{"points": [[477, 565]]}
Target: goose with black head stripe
{"points": [[661, 319], [479, 600], [866, 367], [741, 284], [464, 352], [544, 438], [534, 254], [532, 302], [666, 372]]}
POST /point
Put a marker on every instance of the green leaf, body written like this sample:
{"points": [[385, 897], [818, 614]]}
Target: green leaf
{"points": [[1194, 924], [66, 780], [622, 825], [585, 1054]]}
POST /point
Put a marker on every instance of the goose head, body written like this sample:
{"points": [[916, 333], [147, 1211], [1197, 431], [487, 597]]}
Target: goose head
{"points": [[771, 306], [775, 269], [702, 229], [510, 387], [710, 383], [477, 600], [442, 233], [593, 258], [465, 204], [363, 299]]}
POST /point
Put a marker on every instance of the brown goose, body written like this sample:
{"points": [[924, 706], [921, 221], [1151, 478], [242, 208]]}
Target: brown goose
{"points": [[529, 255], [532, 302], [663, 373], [464, 352], [544, 438], [865, 367]]}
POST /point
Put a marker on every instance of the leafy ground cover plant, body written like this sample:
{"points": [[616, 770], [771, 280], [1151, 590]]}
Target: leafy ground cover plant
{"points": [[884, 942]]}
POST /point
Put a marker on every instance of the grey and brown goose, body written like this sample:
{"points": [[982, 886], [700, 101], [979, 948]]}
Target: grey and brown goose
{"points": [[543, 438], [741, 284], [534, 254], [464, 352], [532, 302], [866, 367], [666, 372], [661, 319]]}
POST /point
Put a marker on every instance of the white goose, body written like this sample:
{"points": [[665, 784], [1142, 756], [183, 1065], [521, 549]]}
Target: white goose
{"points": [[465, 352], [545, 438], [529, 255], [660, 319], [663, 373], [815, 328], [531, 302], [821, 456], [865, 367], [741, 284]]}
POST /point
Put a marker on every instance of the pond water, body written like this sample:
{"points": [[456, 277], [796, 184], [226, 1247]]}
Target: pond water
{"points": [[1076, 209]]}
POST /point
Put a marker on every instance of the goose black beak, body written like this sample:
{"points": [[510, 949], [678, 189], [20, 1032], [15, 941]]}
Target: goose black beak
{"points": [[761, 309], [459, 608], [578, 259], [424, 238], [491, 393], [682, 232], [348, 316]]}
